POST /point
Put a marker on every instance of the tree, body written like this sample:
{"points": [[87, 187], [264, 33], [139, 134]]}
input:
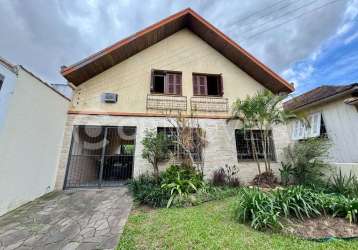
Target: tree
{"points": [[155, 149], [262, 111], [190, 139]]}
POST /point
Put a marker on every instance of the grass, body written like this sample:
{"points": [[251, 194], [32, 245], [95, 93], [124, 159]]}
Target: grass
{"points": [[207, 226]]}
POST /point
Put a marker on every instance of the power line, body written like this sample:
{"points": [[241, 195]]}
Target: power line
{"points": [[289, 20], [283, 15], [245, 18]]}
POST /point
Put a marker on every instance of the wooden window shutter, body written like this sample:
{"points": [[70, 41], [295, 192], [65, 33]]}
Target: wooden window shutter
{"points": [[195, 85], [170, 84], [203, 85], [178, 86], [221, 85], [152, 81]]}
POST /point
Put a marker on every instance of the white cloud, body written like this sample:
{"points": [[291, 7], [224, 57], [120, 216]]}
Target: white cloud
{"points": [[44, 35]]}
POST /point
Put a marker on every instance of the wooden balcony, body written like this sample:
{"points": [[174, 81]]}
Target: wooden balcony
{"points": [[166, 102], [209, 104]]}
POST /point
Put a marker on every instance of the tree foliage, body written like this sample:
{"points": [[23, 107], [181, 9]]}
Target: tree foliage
{"points": [[155, 149]]}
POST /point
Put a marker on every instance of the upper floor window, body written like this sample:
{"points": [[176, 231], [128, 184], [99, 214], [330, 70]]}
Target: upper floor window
{"points": [[1, 80], [166, 82], [207, 85]]}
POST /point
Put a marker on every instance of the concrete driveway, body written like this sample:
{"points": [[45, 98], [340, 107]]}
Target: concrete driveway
{"points": [[86, 219]]}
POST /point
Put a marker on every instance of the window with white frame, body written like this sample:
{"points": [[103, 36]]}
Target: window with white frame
{"points": [[314, 127], [1, 80]]}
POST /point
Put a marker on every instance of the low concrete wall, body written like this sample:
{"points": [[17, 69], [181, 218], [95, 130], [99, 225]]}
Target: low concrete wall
{"points": [[221, 148]]}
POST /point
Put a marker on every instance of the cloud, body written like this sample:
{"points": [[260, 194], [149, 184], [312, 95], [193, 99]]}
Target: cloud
{"points": [[43, 35]]}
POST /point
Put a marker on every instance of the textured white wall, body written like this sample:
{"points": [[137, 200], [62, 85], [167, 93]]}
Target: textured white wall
{"points": [[6, 91], [221, 148], [30, 142]]}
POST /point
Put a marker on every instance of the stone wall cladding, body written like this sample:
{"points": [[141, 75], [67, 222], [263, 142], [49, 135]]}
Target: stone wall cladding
{"points": [[221, 148]]}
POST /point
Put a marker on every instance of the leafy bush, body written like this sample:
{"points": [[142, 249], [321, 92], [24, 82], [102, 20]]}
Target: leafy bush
{"points": [[340, 206], [257, 207], [207, 193], [265, 179], [186, 173], [226, 176], [286, 172], [298, 202], [147, 190], [176, 180], [306, 160]]}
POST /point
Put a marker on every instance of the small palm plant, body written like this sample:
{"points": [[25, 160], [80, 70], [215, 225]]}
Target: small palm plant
{"points": [[262, 111], [179, 187]]}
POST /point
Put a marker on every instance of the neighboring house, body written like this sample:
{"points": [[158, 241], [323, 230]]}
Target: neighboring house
{"points": [[332, 112], [180, 64], [32, 119], [64, 89]]}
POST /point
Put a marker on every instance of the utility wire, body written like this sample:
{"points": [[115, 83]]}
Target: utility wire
{"points": [[289, 20]]}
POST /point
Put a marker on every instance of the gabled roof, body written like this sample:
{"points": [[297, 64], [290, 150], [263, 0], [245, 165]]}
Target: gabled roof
{"points": [[319, 94], [14, 68], [120, 51]]}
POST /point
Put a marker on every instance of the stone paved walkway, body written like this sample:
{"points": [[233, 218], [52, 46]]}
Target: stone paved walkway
{"points": [[86, 219]]}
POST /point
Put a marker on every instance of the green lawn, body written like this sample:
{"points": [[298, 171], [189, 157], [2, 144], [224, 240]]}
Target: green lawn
{"points": [[207, 226]]}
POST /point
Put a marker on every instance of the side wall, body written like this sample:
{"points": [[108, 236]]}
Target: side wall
{"points": [[6, 92], [221, 148], [341, 121], [30, 142]]}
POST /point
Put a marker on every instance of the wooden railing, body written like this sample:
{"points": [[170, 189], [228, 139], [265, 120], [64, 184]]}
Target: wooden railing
{"points": [[166, 102], [209, 104]]}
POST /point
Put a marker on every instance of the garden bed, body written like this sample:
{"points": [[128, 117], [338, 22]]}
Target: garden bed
{"points": [[207, 226], [322, 228]]}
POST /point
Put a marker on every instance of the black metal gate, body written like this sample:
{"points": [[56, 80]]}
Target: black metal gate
{"points": [[100, 156]]}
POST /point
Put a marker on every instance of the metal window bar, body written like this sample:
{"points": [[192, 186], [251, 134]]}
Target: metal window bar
{"points": [[175, 149], [100, 156], [244, 145]]}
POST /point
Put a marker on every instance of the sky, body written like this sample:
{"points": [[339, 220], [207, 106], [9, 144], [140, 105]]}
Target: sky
{"points": [[308, 42]]}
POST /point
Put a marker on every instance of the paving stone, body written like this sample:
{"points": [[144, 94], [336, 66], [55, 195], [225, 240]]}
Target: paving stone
{"points": [[86, 219]]}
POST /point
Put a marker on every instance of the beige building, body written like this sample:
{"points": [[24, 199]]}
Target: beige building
{"points": [[332, 112], [32, 119], [180, 65]]}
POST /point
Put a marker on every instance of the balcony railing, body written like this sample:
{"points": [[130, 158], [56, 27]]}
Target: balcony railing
{"points": [[166, 102], [209, 104]]}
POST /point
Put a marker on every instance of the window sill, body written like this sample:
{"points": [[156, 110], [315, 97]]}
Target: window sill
{"points": [[161, 94]]}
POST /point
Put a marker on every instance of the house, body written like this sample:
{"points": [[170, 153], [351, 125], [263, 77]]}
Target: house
{"points": [[332, 112], [32, 119], [180, 64]]}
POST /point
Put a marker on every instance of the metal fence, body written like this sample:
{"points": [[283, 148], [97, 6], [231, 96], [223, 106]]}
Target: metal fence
{"points": [[100, 156]]}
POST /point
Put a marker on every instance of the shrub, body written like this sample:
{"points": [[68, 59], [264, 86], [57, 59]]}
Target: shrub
{"points": [[342, 184], [257, 207], [306, 160], [186, 172], [298, 202], [207, 193], [179, 187], [265, 179], [340, 206], [147, 190], [155, 149], [286, 172], [226, 176]]}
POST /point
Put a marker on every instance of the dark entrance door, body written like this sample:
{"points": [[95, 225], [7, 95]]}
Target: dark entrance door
{"points": [[100, 156]]}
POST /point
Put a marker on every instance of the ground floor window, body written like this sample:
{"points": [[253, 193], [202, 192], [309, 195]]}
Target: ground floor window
{"points": [[244, 144], [176, 149]]}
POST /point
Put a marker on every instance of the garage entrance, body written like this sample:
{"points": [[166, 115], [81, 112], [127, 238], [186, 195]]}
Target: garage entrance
{"points": [[100, 156]]}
